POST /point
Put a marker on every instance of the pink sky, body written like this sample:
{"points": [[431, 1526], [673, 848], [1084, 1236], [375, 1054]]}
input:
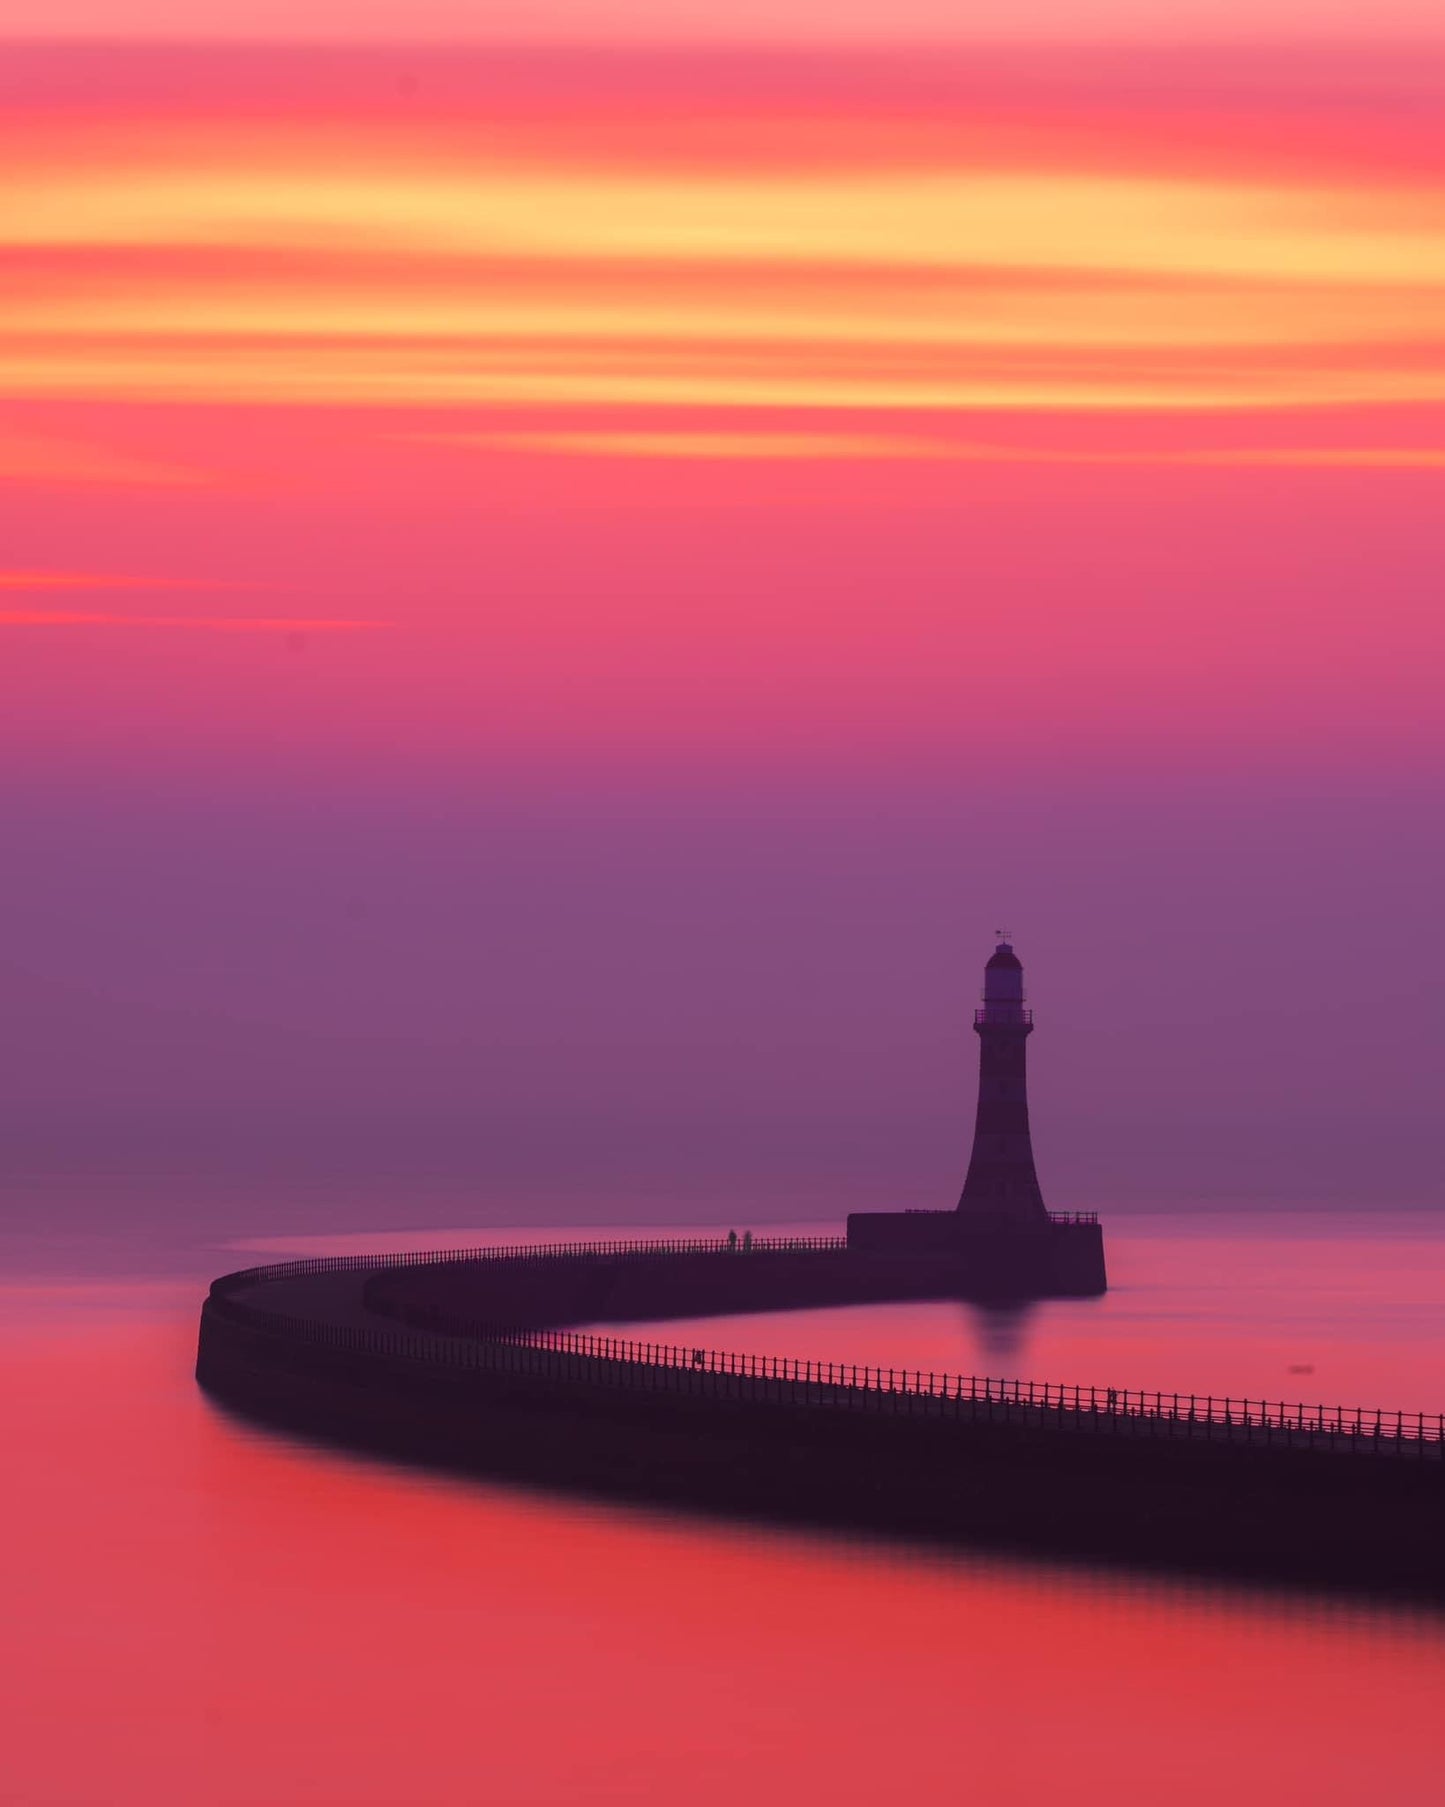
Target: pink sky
{"points": [[751, 21], [658, 545]]}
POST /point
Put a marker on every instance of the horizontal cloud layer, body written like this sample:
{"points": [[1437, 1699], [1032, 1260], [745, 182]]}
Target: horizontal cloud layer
{"points": [[660, 234]]}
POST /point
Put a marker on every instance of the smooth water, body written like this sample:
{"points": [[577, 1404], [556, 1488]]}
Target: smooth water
{"points": [[1344, 1310], [197, 1612]]}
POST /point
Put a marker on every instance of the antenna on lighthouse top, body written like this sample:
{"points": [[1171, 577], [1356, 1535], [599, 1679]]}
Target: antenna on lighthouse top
{"points": [[1003, 934]]}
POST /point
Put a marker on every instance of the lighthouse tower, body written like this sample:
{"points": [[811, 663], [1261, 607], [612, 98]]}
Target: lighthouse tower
{"points": [[1002, 1189], [1000, 1242]]}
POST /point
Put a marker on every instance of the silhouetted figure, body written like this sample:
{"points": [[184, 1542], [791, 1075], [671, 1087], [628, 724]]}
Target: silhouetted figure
{"points": [[732, 1239]]}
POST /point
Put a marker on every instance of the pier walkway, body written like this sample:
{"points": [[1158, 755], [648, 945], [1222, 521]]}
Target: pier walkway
{"points": [[333, 1303]]}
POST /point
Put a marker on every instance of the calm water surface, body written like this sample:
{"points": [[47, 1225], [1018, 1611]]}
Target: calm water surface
{"points": [[194, 1612], [1342, 1310]]}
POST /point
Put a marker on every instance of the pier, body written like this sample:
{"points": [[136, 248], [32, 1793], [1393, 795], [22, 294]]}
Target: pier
{"points": [[474, 1358]]}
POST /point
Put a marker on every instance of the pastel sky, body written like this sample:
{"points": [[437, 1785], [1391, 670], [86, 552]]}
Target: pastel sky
{"points": [[562, 570]]}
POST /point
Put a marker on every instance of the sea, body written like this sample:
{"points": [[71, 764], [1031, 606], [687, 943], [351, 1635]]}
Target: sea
{"points": [[196, 1611]]}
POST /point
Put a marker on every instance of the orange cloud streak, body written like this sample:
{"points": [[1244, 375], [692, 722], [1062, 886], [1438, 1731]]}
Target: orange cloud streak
{"points": [[33, 582], [226, 624], [781, 444], [109, 580], [670, 235]]}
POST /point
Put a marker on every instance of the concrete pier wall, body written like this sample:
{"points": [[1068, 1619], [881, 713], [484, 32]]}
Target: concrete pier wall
{"points": [[1071, 1482], [599, 1290], [1060, 1258]]}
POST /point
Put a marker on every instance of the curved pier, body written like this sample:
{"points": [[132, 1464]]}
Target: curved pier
{"points": [[466, 1358]]}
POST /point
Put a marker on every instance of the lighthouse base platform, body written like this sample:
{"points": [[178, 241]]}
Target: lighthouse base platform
{"points": [[1061, 1257]]}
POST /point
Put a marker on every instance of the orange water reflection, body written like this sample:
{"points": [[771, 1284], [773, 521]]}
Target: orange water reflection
{"points": [[197, 1612]]}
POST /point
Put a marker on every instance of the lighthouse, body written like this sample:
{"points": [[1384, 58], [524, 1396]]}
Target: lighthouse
{"points": [[998, 1242], [1001, 1190]]}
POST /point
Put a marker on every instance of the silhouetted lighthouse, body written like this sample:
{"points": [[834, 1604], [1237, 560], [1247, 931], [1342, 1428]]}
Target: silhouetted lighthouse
{"points": [[1002, 1188], [998, 1242]]}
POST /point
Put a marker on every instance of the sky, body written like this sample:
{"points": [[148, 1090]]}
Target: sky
{"points": [[564, 570]]}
